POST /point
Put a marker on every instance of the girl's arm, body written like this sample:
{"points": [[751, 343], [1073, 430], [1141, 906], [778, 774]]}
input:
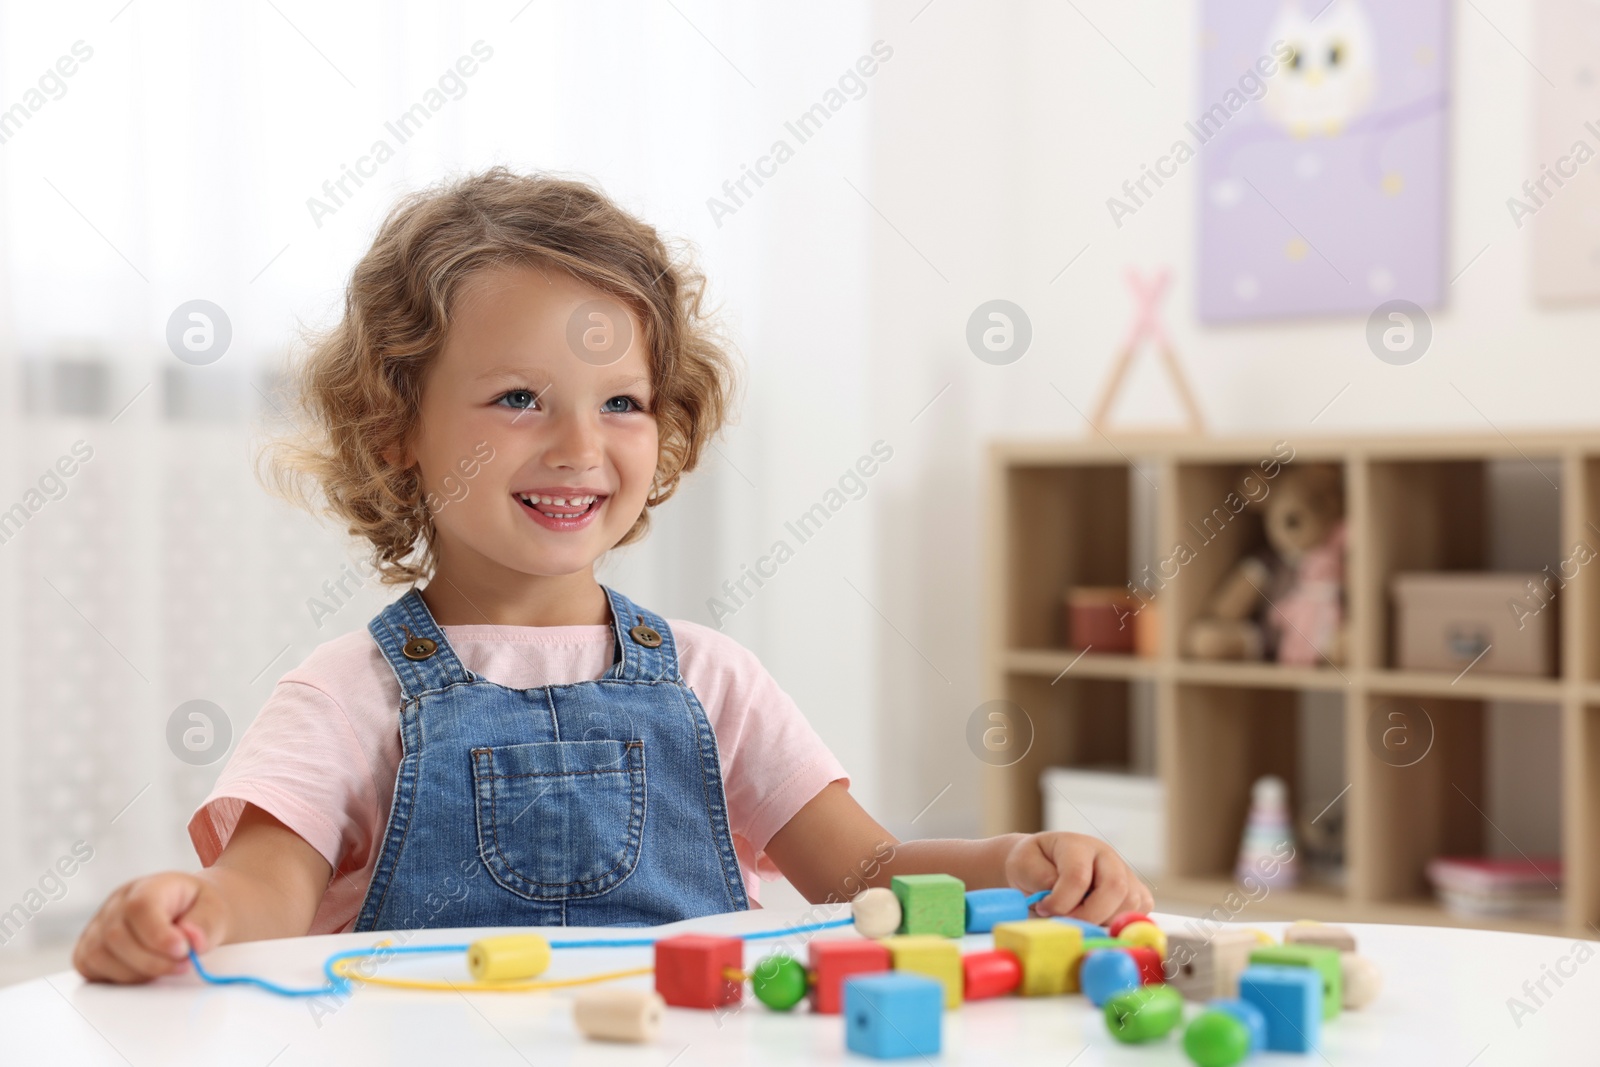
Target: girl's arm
{"points": [[267, 883], [832, 849]]}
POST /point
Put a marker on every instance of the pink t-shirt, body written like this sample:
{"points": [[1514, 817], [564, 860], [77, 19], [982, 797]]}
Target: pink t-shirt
{"points": [[323, 754]]}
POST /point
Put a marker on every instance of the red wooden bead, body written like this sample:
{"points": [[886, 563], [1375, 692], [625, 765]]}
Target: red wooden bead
{"points": [[1114, 927], [832, 962], [990, 974], [1149, 961], [691, 970]]}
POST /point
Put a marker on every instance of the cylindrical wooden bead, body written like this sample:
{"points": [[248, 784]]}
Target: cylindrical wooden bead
{"points": [[876, 912], [511, 957], [990, 974], [619, 1014]]}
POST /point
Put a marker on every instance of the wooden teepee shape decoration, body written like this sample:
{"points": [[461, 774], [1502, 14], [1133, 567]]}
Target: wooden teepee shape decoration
{"points": [[1147, 295]]}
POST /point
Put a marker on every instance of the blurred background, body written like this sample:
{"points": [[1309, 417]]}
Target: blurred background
{"points": [[194, 150]]}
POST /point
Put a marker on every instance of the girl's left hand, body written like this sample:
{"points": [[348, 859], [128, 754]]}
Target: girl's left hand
{"points": [[1086, 877]]}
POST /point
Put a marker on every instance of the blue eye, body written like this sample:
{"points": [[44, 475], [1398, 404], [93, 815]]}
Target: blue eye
{"points": [[519, 393], [631, 404]]}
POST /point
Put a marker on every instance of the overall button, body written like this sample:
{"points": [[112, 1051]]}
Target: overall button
{"points": [[645, 636], [419, 648]]}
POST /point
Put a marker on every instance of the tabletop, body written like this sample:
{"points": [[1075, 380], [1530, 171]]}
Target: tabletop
{"points": [[1450, 997]]}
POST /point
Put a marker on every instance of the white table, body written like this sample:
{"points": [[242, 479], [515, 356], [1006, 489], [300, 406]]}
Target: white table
{"points": [[1444, 1002]]}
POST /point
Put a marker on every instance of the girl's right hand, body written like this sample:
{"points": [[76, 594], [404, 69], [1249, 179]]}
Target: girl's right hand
{"points": [[146, 926]]}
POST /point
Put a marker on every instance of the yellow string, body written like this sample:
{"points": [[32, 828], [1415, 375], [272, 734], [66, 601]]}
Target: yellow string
{"points": [[342, 968]]}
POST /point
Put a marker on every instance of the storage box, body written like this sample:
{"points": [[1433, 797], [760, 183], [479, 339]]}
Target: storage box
{"points": [[1444, 621], [1126, 810], [1101, 617]]}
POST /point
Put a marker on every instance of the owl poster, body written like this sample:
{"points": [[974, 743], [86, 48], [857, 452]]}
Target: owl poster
{"points": [[1321, 134]]}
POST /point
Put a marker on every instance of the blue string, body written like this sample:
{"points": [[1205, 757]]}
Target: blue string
{"points": [[1034, 898], [338, 985]]}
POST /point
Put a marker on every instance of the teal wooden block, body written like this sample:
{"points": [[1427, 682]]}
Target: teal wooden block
{"points": [[1290, 999], [893, 1015], [986, 907]]}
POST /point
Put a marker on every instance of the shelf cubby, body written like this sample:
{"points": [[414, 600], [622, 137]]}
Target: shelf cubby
{"points": [[1071, 513]]}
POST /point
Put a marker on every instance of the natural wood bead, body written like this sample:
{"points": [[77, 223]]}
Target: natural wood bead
{"points": [[1362, 979], [876, 912], [615, 1014]]}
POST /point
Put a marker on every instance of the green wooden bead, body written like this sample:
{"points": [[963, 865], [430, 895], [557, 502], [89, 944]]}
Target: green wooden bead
{"points": [[1105, 942], [779, 982], [1216, 1039], [1144, 1014]]}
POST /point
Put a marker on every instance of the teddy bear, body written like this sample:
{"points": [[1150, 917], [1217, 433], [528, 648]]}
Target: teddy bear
{"points": [[1285, 602]]}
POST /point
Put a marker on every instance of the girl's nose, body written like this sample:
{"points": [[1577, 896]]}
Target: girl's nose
{"points": [[575, 442]]}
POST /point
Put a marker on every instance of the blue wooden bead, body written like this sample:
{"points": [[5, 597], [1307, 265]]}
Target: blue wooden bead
{"points": [[1106, 972], [1290, 999], [892, 1015], [985, 907], [1089, 929], [1248, 1014]]}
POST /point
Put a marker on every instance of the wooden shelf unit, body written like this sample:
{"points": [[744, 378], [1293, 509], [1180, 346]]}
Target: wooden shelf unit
{"points": [[1064, 513]]}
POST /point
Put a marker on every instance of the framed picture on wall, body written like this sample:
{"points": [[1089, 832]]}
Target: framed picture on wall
{"points": [[1321, 134]]}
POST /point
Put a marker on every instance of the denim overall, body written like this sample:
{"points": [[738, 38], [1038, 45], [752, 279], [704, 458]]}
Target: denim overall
{"points": [[593, 804]]}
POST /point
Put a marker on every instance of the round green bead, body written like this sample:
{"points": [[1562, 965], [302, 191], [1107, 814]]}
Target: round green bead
{"points": [[1144, 1014], [1216, 1039], [779, 982]]}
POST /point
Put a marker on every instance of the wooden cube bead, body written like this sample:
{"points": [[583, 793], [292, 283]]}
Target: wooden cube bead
{"points": [[1325, 934], [1290, 998], [892, 1016], [692, 970], [929, 955], [931, 904], [833, 961], [611, 1014], [1325, 961], [1206, 966], [1049, 953]]}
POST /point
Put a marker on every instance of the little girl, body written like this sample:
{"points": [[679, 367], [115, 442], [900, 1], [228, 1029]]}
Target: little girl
{"points": [[521, 373]]}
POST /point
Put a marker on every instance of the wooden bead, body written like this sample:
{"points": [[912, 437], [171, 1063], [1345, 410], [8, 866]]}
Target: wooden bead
{"points": [[1149, 962], [692, 970], [510, 958], [990, 974], [931, 904], [1362, 979], [1049, 953], [1147, 934], [1144, 1014], [779, 982], [929, 955], [1325, 961], [832, 961], [1216, 1039], [1107, 972], [613, 1014], [987, 907], [1315, 933], [1114, 927], [877, 913]]}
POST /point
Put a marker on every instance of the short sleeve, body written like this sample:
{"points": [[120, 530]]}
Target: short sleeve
{"points": [[301, 762], [773, 760]]}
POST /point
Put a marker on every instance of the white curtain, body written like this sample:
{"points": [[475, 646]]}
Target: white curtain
{"points": [[175, 162]]}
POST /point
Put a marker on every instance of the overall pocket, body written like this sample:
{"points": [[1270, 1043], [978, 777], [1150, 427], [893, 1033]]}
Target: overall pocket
{"points": [[558, 820]]}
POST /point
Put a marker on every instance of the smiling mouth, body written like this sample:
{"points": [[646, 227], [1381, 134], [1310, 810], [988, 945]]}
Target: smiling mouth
{"points": [[561, 507]]}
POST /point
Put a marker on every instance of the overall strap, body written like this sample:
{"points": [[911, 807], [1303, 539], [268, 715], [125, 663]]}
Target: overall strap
{"points": [[646, 649], [416, 648]]}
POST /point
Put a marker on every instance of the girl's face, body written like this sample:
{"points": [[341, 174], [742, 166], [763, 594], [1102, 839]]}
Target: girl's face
{"points": [[537, 439]]}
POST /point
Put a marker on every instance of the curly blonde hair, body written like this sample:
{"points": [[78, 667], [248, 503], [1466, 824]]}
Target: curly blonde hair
{"points": [[357, 394]]}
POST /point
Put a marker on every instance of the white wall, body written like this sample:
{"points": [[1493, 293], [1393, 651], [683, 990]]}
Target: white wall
{"points": [[997, 141]]}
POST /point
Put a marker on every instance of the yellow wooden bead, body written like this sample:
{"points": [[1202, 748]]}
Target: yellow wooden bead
{"points": [[1146, 934], [1261, 936], [931, 955], [1049, 953], [511, 957]]}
